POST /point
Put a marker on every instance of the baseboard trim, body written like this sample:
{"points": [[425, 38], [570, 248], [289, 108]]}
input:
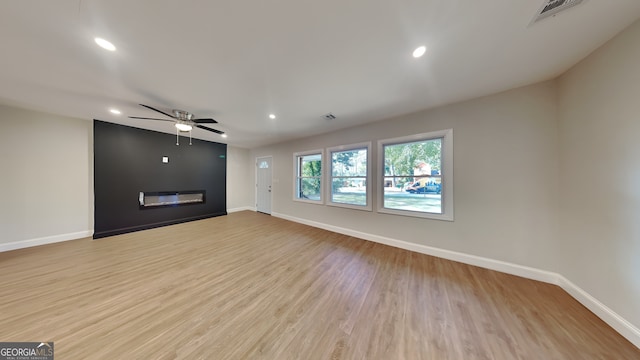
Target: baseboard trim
{"points": [[45, 240], [238, 209], [617, 322], [620, 324], [502, 266]]}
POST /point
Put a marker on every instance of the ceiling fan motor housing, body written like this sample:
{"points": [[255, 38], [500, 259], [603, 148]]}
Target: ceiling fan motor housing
{"points": [[182, 115]]}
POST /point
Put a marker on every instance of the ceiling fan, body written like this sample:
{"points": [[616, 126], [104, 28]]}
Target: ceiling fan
{"points": [[183, 120]]}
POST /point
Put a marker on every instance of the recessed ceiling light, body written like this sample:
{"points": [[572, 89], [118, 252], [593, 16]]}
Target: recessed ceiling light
{"points": [[272, 116], [115, 111], [419, 51], [224, 135], [105, 44]]}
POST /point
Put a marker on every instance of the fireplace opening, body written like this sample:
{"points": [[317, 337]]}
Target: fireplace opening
{"points": [[157, 199]]}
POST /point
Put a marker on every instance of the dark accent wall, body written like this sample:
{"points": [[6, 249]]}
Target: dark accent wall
{"points": [[128, 160]]}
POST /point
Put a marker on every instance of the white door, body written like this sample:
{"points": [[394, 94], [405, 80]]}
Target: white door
{"points": [[263, 171]]}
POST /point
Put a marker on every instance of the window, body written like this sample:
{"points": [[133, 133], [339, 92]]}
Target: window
{"points": [[308, 184], [416, 175], [349, 176]]}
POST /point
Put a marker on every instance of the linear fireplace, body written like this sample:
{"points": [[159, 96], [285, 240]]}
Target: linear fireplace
{"points": [[171, 198]]}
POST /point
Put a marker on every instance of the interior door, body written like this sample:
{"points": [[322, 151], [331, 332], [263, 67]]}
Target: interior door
{"points": [[264, 173]]}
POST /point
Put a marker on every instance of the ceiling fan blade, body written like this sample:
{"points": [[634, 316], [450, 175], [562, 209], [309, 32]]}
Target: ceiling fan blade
{"points": [[204, 121], [156, 110], [210, 129], [146, 118]]}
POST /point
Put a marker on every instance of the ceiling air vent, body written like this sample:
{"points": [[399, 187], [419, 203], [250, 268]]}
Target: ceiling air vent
{"points": [[552, 7], [329, 116]]}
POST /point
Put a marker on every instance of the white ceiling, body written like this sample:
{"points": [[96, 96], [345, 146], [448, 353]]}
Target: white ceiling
{"points": [[237, 61]]}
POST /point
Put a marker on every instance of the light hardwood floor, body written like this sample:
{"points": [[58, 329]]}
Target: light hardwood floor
{"points": [[250, 286]]}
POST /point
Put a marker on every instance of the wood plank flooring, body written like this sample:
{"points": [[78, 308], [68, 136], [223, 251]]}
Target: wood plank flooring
{"points": [[250, 286]]}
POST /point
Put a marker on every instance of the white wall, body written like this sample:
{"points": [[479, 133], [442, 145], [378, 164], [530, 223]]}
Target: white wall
{"points": [[505, 178], [599, 134], [240, 194], [47, 177]]}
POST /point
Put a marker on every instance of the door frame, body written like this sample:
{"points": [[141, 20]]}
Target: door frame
{"points": [[256, 169]]}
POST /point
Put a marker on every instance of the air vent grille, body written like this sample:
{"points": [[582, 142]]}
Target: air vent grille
{"points": [[552, 7]]}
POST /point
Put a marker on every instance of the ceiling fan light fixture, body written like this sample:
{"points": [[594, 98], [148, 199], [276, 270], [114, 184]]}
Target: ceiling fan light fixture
{"points": [[183, 127]]}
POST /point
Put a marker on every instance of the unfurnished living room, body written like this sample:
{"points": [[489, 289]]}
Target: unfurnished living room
{"points": [[320, 180]]}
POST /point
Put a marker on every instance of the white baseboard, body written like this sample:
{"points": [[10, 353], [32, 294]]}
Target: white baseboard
{"points": [[44, 240], [622, 326], [509, 268], [241, 209]]}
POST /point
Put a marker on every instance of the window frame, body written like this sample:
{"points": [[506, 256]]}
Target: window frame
{"points": [[446, 174], [329, 189], [296, 175]]}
